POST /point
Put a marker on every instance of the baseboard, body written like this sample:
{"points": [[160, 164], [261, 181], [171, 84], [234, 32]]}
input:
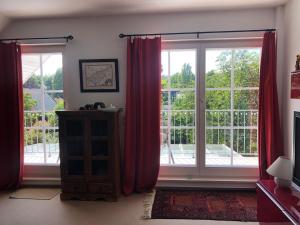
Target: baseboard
{"points": [[211, 183], [41, 181]]}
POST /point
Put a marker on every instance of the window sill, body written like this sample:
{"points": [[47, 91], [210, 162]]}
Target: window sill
{"points": [[206, 182]]}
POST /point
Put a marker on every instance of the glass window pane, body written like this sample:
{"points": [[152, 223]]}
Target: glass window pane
{"points": [[218, 151], [52, 146], [182, 68], [31, 73], [43, 95], [217, 100], [245, 147], [239, 119], [54, 101], [218, 118], [52, 71], [33, 140], [178, 108], [183, 100], [246, 99], [246, 67], [164, 63], [218, 68], [164, 99]]}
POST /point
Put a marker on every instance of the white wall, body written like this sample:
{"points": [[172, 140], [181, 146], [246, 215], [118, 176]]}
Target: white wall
{"points": [[3, 22], [292, 46], [98, 38]]}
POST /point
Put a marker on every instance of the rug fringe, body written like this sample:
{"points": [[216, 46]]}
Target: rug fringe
{"points": [[148, 203]]}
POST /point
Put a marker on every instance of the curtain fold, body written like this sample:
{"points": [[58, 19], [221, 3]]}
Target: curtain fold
{"points": [[270, 144], [11, 116], [142, 121]]}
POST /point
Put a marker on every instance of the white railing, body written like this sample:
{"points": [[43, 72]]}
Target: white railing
{"points": [[33, 132], [181, 129]]}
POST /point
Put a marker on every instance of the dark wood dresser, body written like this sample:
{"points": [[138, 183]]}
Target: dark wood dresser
{"points": [[90, 154]]}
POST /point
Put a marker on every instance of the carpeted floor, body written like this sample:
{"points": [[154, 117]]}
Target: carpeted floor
{"points": [[127, 211], [205, 205]]}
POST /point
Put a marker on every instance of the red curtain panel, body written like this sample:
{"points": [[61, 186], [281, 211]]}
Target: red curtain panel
{"points": [[270, 144], [142, 125], [11, 116]]}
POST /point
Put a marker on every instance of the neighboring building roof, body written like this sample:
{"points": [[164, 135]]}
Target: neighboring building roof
{"points": [[36, 94]]}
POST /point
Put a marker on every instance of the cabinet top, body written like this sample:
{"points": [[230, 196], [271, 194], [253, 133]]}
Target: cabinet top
{"points": [[89, 112]]}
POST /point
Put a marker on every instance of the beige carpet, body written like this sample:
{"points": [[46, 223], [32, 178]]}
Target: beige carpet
{"points": [[127, 211], [35, 193]]}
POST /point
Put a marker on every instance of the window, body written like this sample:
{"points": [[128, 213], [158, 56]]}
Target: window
{"points": [[43, 94], [232, 80], [178, 107], [209, 113]]}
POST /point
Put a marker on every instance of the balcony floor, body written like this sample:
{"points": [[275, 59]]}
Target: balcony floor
{"points": [[183, 154]]}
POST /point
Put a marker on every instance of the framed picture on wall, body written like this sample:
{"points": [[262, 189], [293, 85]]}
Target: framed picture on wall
{"points": [[99, 75]]}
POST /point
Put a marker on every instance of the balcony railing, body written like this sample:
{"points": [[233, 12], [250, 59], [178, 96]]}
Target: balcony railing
{"points": [[235, 132], [40, 138], [178, 136]]}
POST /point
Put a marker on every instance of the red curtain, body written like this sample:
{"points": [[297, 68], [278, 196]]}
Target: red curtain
{"points": [[11, 116], [270, 144], [142, 125]]}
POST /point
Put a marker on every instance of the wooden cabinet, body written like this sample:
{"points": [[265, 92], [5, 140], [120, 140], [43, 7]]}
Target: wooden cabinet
{"points": [[90, 154]]}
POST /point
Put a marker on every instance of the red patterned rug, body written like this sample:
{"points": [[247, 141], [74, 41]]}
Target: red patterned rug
{"points": [[205, 205]]}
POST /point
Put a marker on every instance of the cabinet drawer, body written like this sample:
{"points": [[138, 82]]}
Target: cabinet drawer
{"points": [[74, 187], [100, 188]]}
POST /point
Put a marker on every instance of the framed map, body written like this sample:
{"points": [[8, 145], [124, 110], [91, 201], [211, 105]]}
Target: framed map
{"points": [[99, 75]]}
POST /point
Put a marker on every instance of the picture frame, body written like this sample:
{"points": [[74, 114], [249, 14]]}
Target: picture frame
{"points": [[99, 75]]}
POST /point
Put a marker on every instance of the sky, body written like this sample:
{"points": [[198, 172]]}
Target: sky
{"points": [[52, 64], [179, 57], [31, 64]]}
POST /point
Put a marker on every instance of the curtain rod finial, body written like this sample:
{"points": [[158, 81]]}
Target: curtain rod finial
{"points": [[121, 35], [70, 37]]}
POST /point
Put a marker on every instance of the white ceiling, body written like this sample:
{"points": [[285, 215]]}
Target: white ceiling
{"points": [[68, 8]]}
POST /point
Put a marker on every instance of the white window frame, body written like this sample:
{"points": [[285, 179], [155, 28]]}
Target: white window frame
{"points": [[200, 171], [42, 171]]}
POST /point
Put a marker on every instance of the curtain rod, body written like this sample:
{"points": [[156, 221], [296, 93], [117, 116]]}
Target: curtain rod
{"points": [[69, 37], [197, 32]]}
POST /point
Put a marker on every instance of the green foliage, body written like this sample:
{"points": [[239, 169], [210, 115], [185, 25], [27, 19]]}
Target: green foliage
{"points": [[60, 104], [29, 102]]}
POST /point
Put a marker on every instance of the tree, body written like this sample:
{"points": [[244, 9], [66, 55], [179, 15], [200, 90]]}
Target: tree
{"points": [[51, 82], [33, 82]]}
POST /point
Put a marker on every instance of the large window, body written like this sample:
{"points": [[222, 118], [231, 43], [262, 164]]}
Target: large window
{"points": [[209, 113], [43, 94]]}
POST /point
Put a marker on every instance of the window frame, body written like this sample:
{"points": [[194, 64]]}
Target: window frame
{"points": [[41, 170], [201, 170]]}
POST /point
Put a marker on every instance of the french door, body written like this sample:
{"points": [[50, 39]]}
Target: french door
{"points": [[209, 108]]}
